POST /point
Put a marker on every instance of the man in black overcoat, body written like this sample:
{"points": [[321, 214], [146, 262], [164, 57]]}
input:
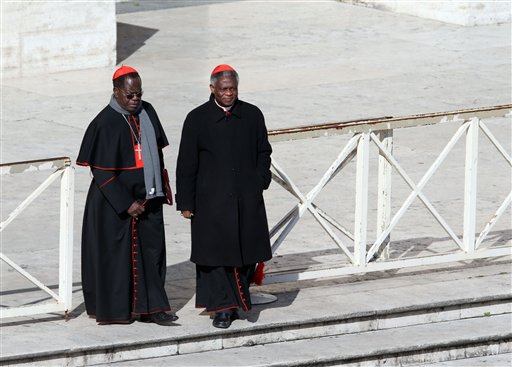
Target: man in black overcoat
{"points": [[223, 167], [123, 237]]}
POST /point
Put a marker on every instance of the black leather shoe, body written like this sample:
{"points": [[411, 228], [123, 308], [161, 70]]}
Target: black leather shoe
{"points": [[160, 318], [223, 319]]}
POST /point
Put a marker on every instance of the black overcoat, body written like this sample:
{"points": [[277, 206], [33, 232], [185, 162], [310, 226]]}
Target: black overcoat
{"points": [[223, 167]]}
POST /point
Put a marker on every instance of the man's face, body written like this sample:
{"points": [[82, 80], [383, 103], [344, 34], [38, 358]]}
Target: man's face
{"points": [[225, 90], [130, 95]]}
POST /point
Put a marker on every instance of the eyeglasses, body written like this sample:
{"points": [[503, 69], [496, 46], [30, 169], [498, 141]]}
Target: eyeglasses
{"points": [[132, 95]]}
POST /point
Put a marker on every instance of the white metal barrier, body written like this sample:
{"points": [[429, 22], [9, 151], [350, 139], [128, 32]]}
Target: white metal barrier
{"points": [[362, 260], [380, 133], [63, 169]]}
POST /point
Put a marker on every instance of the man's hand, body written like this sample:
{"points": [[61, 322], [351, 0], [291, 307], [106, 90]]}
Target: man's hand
{"points": [[187, 214], [136, 209]]}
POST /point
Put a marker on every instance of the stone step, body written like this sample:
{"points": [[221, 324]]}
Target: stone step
{"points": [[331, 308], [497, 360], [428, 343]]}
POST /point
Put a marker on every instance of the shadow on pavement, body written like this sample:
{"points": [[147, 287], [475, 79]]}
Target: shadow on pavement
{"points": [[180, 284], [130, 38], [134, 6]]}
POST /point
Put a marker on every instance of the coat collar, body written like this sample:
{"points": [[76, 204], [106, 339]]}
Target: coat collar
{"points": [[218, 113]]}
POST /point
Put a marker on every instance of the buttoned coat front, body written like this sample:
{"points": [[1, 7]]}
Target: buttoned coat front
{"points": [[223, 167]]}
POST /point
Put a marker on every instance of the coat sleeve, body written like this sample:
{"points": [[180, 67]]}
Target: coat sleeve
{"points": [[113, 189], [264, 152], [186, 167]]}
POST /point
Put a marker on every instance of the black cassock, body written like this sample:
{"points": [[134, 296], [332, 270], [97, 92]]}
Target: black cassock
{"points": [[123, 259], [223, 167]]}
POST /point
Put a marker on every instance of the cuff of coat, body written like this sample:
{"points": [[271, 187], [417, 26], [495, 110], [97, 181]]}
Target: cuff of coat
{"points": [[182, 207]]}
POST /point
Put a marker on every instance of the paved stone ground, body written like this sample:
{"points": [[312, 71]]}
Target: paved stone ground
{"points": [[301, 63]]}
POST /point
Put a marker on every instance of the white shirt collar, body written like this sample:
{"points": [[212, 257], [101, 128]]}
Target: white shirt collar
{"points": [[224, 108]]}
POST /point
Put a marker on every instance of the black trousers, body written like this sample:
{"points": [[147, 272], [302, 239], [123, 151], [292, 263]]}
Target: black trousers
{"points": [[221, 288]]}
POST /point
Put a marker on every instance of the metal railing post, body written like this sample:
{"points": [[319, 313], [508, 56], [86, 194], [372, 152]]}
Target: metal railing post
{"points": [[361, 207], [384, 192], [470, 185], [66, 237]]}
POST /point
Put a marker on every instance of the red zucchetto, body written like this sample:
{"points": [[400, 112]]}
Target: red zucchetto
{"points": [[123, 70], [222, 67]]}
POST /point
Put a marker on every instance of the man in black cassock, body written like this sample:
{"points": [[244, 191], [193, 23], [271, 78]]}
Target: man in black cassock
{"points": [[223, 167], [123, 239]]}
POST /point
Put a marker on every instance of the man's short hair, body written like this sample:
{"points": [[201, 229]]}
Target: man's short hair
{"points": [[232, 73], [119, 82]]}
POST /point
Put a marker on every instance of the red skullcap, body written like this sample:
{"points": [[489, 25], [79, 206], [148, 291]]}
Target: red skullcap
{"points": [[222, 67], [123, 70]]}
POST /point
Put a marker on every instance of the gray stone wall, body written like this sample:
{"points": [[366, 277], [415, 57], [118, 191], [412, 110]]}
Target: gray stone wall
{"points": [[46, 37], [467, 13]]}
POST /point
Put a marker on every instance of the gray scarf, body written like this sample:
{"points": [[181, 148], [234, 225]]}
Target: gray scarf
{"points": [[152, 175]]}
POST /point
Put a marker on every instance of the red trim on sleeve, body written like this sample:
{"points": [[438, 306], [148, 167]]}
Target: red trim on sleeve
{"points": [[85, 164]]}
